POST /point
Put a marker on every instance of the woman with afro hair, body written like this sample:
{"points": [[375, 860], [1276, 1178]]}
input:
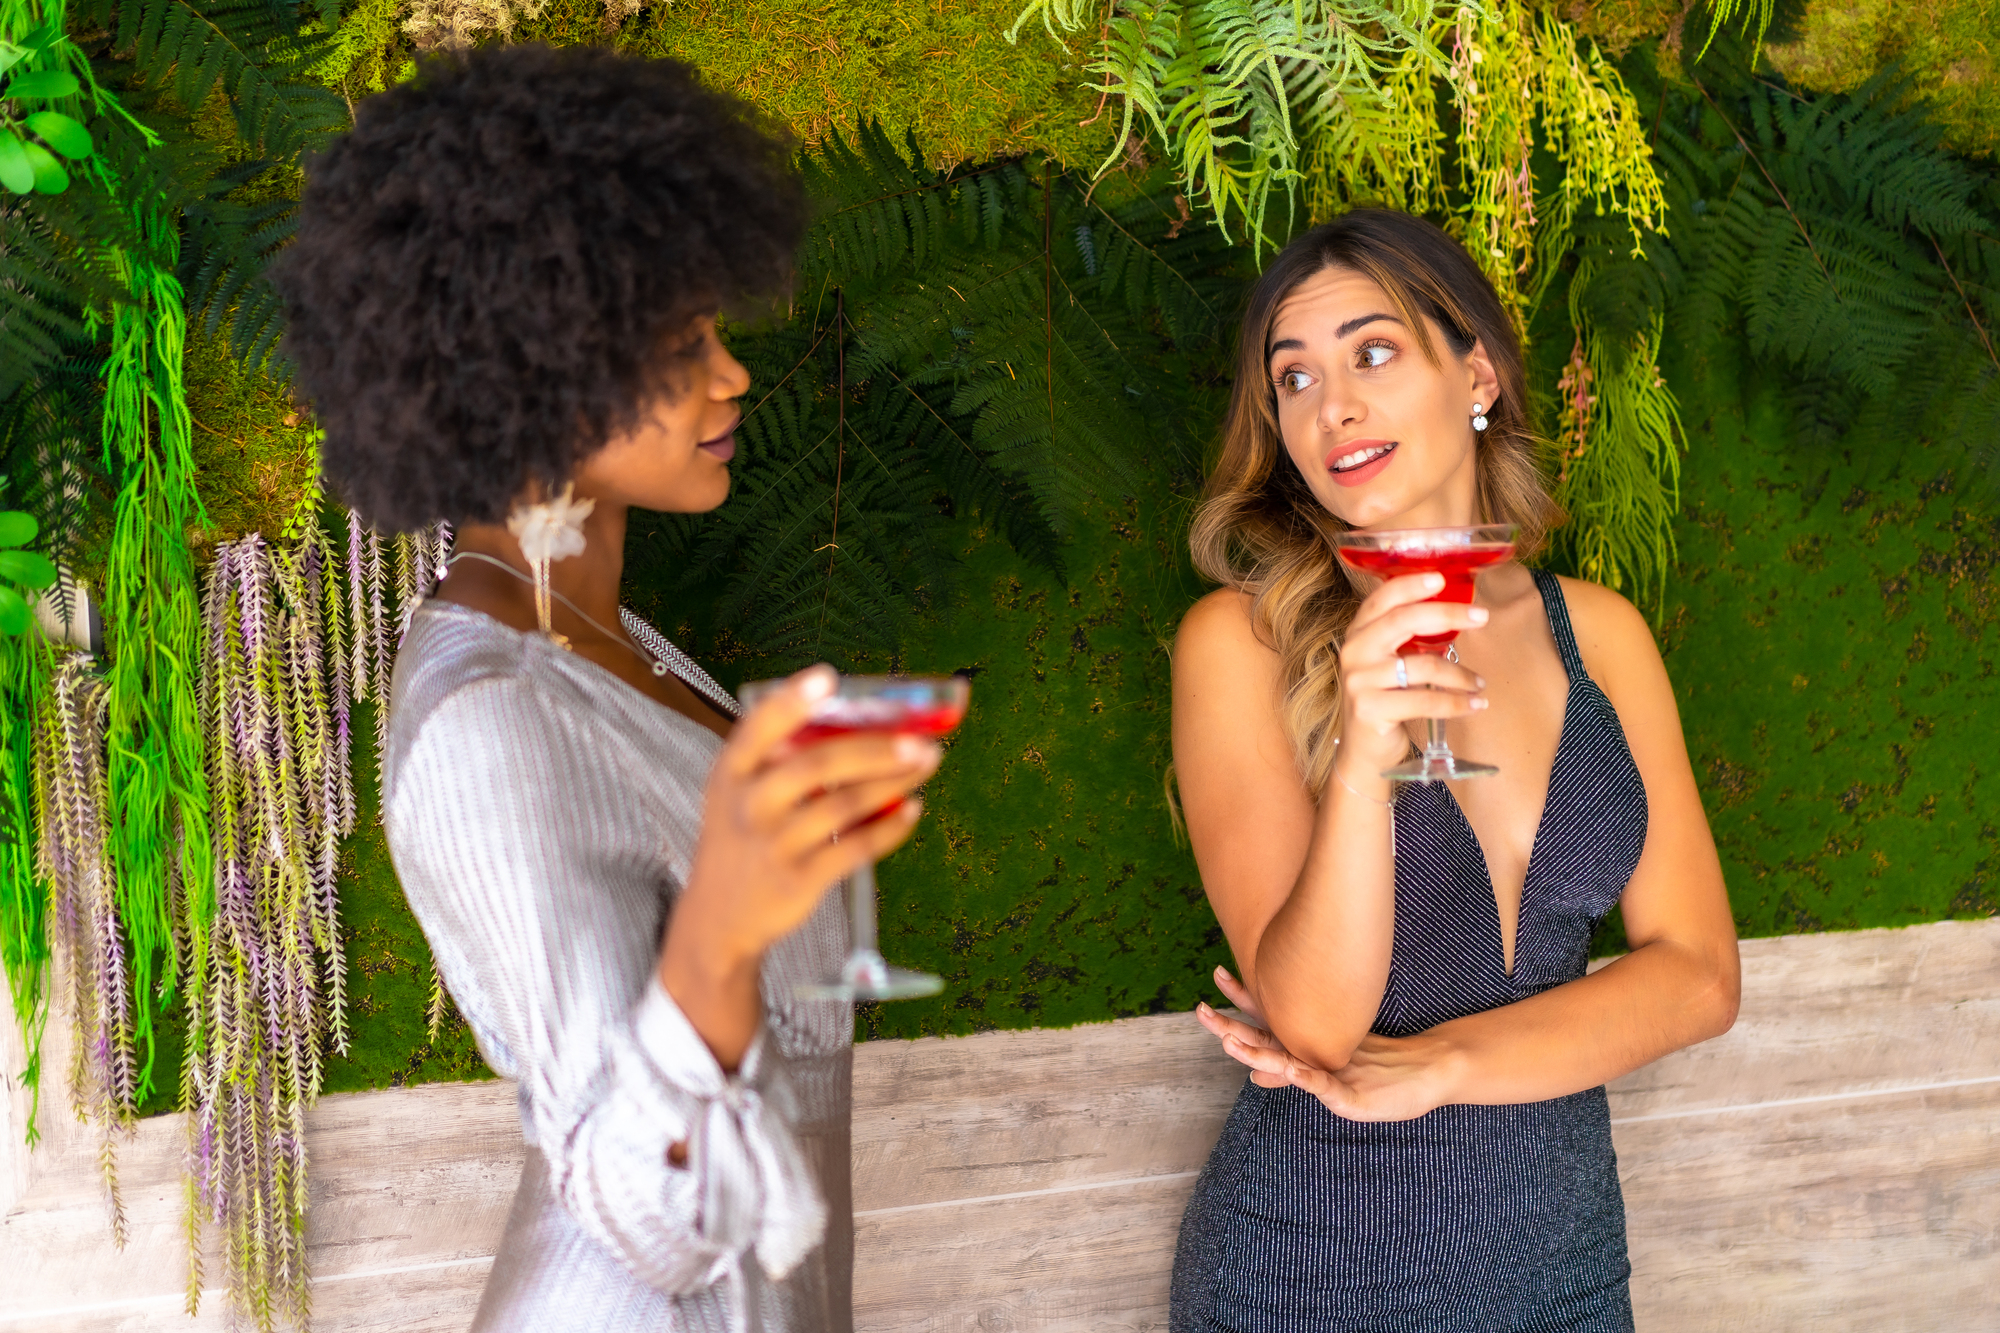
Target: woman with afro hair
{"points": [[502, 305]]}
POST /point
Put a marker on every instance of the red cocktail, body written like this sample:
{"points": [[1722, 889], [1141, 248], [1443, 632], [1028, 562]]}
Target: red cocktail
{"points": [[929, 720], [906, 705], [1458, 564], [1458, 554]]}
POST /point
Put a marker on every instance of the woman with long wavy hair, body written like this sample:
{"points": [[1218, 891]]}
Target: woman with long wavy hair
{"points": [[1424, 1142]]}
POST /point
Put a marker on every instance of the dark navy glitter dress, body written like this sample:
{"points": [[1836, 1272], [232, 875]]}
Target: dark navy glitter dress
{"points": [[1472, 1219]]}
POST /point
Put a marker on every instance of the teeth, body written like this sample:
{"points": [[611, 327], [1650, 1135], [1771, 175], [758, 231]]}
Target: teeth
{"points": [[1360, 456]]}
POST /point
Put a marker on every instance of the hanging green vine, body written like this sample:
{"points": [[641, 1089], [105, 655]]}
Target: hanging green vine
{"points": [[157, 787], [1337, 102], [25, 664]]}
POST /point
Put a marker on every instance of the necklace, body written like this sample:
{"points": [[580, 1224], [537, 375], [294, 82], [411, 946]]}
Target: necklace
{"points": [[657, 666]]}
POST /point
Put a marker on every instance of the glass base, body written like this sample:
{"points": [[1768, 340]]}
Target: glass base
{"points": [[1433, 766], [868, 976]]}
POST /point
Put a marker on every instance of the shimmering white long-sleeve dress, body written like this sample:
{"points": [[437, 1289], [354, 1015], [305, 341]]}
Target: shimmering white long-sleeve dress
{"points": [[542, 815]]}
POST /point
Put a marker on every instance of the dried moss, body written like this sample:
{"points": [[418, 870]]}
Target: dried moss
{"points": [[942, 69], [253, 450]]}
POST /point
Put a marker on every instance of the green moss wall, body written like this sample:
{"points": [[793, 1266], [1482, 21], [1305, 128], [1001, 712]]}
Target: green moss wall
{"points": [[942, 69], [1945, 49], [1829, 629], [1046, 883], [1831, 636]]}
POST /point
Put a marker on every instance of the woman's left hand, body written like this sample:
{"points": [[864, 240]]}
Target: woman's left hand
{"points": [[1389, 1078]]}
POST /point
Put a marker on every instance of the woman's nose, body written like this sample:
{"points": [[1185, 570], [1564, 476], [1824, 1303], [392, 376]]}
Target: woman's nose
{"points": [[731, 379], [1339, 410]]}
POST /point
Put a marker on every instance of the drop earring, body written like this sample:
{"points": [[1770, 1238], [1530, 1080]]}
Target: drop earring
{"points": [[550, 531], [1479, 416]]}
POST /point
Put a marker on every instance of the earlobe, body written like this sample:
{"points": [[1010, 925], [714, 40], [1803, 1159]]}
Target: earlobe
{"points": [[1485, 383]]}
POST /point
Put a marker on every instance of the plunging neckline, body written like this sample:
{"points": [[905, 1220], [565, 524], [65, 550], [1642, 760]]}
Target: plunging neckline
{"points": [[1507, 964]]}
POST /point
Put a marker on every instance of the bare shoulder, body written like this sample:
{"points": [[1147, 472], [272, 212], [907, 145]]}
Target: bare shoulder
{"points": [[1218, 629], [1219, 662], [1617, 645]]}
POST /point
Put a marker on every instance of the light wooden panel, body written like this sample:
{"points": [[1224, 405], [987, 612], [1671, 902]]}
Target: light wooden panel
{"points": [[1831, 1164], [1086, 1260], [1878, 1214], [946, 1119]]}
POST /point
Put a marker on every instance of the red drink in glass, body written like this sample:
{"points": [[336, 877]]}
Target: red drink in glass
{"points": [[1459, 564], [1458, 554], [920, 720], [905, 705], [850, 717]]}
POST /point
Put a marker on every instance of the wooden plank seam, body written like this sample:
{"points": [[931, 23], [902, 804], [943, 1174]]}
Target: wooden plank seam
{"points": [[1805, 1101]]}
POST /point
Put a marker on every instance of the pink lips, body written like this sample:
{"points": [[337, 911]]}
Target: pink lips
{"points": [[723, 447], [1367, 472]]}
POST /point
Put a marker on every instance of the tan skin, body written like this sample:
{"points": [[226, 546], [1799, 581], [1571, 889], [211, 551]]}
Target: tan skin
{"points": [[768, 848], [1308, 903]]}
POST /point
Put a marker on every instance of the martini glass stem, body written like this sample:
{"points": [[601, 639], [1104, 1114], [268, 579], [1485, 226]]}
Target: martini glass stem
{"points": [[861, 913], [1435, 748]]}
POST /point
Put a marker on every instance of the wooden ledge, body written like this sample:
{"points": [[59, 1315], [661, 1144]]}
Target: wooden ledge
{"points": [[1831, 1164]]}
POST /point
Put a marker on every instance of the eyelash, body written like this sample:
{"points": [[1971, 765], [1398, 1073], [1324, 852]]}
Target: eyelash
{"points": [[1282, 385], [1371, 345]]}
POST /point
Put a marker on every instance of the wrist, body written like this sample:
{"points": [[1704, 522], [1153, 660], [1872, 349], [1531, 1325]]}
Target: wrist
{"points": [[1373, 787], [705, 946], [1452, 1069]]}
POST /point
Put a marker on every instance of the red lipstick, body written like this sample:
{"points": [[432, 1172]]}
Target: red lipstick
{"points": [[1363, 473]]}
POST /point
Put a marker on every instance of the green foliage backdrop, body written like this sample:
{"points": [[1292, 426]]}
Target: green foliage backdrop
{"points": [[1822, 627], [1831, 638], [1046, 883], [1830, 633]]}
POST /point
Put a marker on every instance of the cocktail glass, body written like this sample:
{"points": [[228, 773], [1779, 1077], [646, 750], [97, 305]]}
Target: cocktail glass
{"points": [[1458, 554], [913, 705]]}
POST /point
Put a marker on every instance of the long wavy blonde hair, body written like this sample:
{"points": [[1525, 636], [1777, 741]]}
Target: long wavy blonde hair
{"points": [[1260, 530]]}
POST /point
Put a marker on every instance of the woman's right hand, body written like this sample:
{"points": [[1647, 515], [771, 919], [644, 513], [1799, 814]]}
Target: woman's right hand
{"points": [[782, 822], [780, 825], [1374, 707]]}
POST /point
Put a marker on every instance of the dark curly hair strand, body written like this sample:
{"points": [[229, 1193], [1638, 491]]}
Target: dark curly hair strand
{"points": [[490, 269]]}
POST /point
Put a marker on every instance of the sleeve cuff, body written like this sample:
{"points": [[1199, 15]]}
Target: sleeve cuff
{"points": [[755, 1189], [677, 1052]]}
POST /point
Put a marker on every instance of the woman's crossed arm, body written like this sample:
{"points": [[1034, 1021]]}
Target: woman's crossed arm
{"points": [[1306, 896]]}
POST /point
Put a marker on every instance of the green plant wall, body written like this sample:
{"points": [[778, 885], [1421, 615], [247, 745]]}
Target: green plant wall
{"points": [[1046, 883], [1828, 627], [941, 69], [1945, 49], [1830, 634]]}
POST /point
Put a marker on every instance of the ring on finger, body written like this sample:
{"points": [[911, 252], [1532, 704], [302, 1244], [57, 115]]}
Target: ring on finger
{"points": [[1402, 674]]}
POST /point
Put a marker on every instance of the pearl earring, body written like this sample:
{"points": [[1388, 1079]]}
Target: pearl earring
{"points": [[1478, 416]]}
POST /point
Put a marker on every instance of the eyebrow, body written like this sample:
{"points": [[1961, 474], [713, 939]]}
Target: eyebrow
{"points": [[1296, 345]]}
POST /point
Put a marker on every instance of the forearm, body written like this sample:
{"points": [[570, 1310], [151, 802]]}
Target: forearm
{"points": [[714, 980], [1323, 961], [1656, 1000]]}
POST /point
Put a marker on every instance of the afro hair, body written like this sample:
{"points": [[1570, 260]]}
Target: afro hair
{"points": [[493, 267]]}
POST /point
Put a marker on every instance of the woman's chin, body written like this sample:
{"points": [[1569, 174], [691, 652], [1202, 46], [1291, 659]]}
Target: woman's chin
{"points": [[691, 499], [1368, 509]]}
